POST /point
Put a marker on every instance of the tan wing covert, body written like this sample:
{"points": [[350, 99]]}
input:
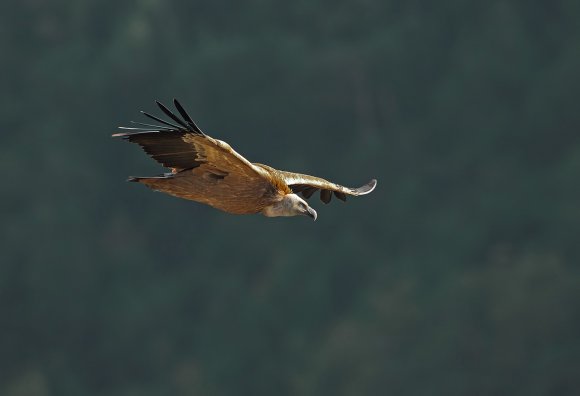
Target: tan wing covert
{"points": [[307, 185]]}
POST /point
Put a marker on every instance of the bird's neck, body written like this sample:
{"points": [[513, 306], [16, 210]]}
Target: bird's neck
{"points": [[284, 207]]}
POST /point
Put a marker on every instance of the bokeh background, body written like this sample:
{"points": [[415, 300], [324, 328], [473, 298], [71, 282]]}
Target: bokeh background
{"points": [[459, 275]]}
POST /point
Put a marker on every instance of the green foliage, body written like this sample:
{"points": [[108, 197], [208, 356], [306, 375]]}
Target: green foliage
{"points": [[458, 276]]}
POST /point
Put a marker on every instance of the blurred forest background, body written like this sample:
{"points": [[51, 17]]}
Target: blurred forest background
{"points": [[459, 275]]}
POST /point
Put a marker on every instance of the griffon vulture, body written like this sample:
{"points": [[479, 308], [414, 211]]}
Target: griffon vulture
{"points": [[209, 171]]}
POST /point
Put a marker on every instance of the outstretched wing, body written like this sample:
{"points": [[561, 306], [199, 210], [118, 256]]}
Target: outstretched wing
{"points": [[204, 169], [182, 145], [308, 185]]}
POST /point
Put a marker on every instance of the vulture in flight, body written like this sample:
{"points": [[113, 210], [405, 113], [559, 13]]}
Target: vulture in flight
{"points": [[209, 171]]}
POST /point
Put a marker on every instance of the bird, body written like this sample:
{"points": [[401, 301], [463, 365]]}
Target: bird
{"points": [[209, 171]]}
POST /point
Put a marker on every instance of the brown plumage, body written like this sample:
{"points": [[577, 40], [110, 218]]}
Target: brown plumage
{"points": [[209, 171]]}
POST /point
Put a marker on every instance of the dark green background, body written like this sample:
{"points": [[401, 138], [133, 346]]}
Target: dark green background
{"points": [[459, 275]]}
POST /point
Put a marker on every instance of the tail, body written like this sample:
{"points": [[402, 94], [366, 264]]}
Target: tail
{"points": [[168, 184]]}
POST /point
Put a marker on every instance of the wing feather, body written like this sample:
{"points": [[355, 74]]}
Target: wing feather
{"points": [[185, 146], [186, 116], [308, 185], [151, 126], [169, 114], [173, 126]]}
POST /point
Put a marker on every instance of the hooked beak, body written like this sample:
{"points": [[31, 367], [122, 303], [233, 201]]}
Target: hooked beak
{"points": [[311, 213]]}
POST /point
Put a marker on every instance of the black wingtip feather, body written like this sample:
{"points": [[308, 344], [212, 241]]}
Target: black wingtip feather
{"points": [[170, 114], [308, 191], [325, 196], [151, 125], [340, 195], [186, 116], [161, 121]]}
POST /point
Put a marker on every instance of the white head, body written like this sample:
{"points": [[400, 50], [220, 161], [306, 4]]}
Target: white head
{"points": [[289, 205]]}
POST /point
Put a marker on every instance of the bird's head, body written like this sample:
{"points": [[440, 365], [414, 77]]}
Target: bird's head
{"points": [[290, 205]]}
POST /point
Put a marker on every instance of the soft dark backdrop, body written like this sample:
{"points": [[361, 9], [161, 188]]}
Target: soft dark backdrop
{"points": [[459, 275]]}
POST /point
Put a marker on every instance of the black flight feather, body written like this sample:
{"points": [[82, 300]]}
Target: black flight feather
{"points": [[151, 125], [186, 116], [325, 196], [139, 129], [161, 121], [308, 191], [167, 148], [340, 195], [171, 115]]}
